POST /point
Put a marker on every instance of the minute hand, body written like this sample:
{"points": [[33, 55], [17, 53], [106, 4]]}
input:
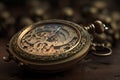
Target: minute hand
{"points": [[54, 32]]}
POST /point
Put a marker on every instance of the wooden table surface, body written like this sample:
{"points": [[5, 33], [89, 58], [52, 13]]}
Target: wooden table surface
{"points": [[91, 68]]}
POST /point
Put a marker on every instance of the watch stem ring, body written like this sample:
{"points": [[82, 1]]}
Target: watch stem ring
{"points": [[101, 50]]}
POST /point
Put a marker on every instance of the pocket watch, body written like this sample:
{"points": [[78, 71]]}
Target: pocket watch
{"points": [[54, 45]]}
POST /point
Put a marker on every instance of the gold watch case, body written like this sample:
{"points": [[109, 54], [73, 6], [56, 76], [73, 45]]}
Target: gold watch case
{"points": [[55, 62]]}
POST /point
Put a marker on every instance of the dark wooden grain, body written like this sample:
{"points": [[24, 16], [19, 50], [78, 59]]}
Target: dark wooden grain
{"points": [[91, 68]]}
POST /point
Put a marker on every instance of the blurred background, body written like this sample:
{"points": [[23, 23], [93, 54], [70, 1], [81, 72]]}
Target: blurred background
{"points": [[16, 14]]}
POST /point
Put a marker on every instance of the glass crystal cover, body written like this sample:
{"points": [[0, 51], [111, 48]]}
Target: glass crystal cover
{"points": [[49, 39]]}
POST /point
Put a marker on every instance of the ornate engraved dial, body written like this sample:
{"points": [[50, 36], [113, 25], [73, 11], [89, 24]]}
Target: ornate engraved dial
{"points": [[49, 39]]}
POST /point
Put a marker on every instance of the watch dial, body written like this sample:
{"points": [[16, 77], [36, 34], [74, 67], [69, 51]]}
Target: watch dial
{"points": [[49, 39]]}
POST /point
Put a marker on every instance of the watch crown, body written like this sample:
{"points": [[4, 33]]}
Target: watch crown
{"points": [[96, 27]]}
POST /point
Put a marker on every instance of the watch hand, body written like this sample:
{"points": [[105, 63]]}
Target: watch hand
{"points": [[54, 32]]}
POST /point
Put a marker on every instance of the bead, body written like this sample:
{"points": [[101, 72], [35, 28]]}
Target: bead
{"points": [[2, 7], [21, 64], [7, 59]]}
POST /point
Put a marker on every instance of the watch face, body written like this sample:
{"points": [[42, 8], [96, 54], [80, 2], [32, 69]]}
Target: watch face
{"points": [[49, 39]]}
